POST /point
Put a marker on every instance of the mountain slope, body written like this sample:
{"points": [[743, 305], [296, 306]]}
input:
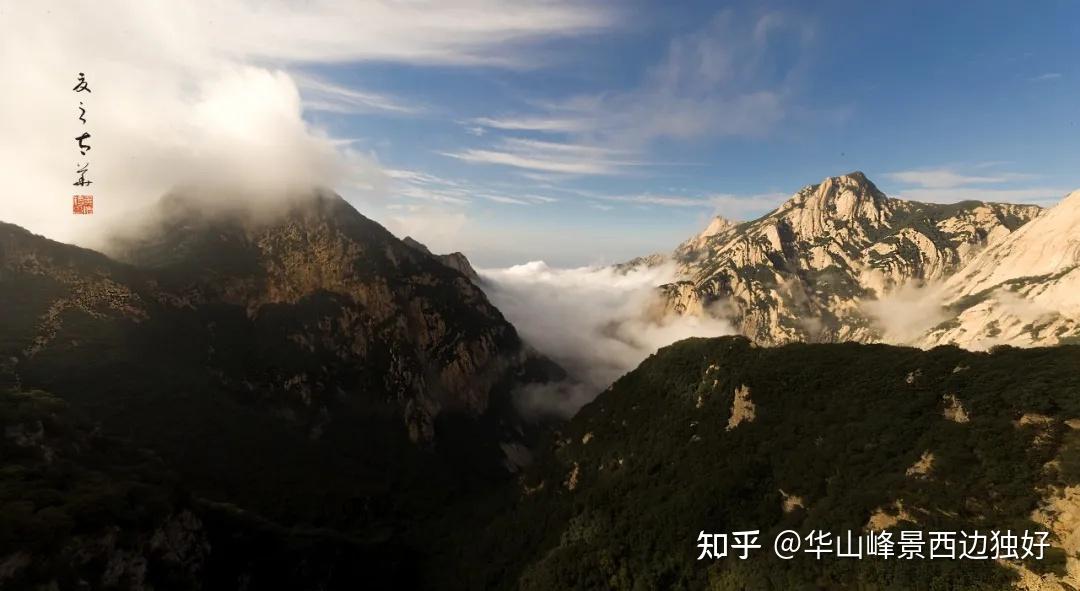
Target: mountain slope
{"points": [[423, 332], [454, 260], [719, 435], [83, 510], [800, 272], [308, 367], [1023, 289]]}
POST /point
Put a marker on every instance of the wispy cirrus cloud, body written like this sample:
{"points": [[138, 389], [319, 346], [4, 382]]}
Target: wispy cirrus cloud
{"points": [[323, 95], [733, 206], [428, 187], [212, 93], [942, 178], [549, 124], [746, 207], [738, 207], [1037, 195], [709, 83], [1046, 76], [948, 185], [431, 32], [548, 157]]}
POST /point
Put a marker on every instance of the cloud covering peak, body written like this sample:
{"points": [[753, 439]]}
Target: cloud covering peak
{"points": [[206, 94]]}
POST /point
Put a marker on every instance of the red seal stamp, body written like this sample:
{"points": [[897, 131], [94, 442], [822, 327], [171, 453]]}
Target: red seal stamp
{"points": [[82, 204]]}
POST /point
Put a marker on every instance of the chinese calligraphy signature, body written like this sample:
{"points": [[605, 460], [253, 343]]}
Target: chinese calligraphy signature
{"points": [[82, 204]]}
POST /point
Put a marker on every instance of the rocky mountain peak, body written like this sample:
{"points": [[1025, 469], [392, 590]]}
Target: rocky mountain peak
{"points": [[841, 198], [801, 271], [1047, 245], [718, 225], [455, 260], [1023, 289], [314, 309], [278, 253], [719, 228], [1069, 207]]}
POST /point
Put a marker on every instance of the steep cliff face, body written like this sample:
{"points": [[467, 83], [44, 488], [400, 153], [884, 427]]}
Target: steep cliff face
{"points": [[455, 260], [308, 366], [800, 272], [340, 286], [1023, 290]]}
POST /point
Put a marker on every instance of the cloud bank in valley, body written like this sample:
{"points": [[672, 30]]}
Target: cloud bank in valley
{"points": [[596, 322], [905, 313]]}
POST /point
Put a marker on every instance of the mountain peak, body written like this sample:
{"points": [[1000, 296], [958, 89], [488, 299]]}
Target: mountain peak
{"points": [[1046, 246], [800, 272], [1071, 201], [856, 176], [229, 235], [853, 181], [716, 226], [839, 198]]}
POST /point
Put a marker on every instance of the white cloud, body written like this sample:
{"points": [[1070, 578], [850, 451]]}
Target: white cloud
{"points": [[551, 157], [736, 207], [532, 124], [1047, 76], [199, 93], [322, 95], [907, 312], [947, 185], [947, 178], [650, 199], [451, 196], [1039, 195], [504, 199], [461, 32], [746, 207], [438, 228], [710, 83], [429, 187], [593, 321]]}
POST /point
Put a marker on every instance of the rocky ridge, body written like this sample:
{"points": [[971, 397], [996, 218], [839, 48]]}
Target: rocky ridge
{"points": [[801, 272], [1022, 290], [308, 367]]}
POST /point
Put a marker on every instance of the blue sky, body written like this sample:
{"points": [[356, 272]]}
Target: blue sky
{"points": [[626, 139], [566, 131]]}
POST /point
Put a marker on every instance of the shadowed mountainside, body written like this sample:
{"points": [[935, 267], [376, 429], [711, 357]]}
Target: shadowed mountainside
{"points": [[309, 368]]}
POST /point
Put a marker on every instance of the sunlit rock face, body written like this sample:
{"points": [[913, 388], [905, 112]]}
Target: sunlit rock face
{"points": [[1022, 290], [803, 272]]}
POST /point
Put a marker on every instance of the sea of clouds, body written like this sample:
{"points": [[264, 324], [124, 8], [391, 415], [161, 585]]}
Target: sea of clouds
{"points": [[597, 322]]}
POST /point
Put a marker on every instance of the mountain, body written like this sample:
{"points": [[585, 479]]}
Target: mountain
{"points": [[454, 260], [801, 272], [80, 509], [720, 435], [337, 284], [1024, 289], [303, 365]]}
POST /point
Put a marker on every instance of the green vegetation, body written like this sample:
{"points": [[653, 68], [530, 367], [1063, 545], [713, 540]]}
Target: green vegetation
{"points": [[651, 463], [79, 509], [280, 422], [67, 492], [208, 444], [836, 425]]}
